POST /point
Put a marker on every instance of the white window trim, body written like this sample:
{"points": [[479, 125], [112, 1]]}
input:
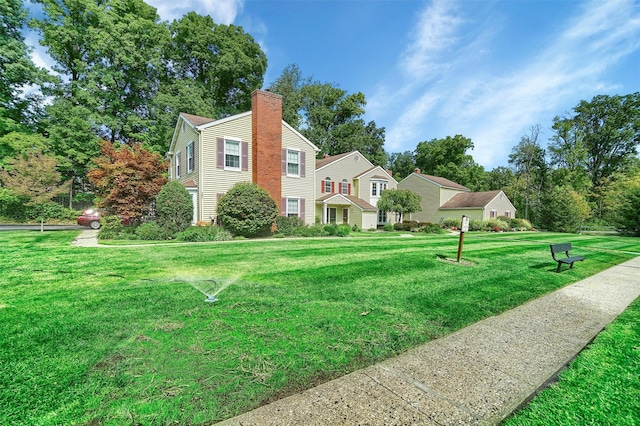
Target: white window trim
{"points": [[374, 185], [190, 157], [345, 187], [324, 182], [178, 166], [297, 213], [239, 142], [299, 165]]}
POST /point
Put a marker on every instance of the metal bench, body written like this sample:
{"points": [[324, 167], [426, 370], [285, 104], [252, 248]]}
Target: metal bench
{"points": [[566, 247]]}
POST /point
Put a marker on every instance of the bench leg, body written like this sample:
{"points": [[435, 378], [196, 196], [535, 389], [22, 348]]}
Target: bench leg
{"points": [[571, 267], [559, 265]]}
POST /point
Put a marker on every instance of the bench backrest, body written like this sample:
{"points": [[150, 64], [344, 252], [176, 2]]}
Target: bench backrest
{"points": [[557, 248]]}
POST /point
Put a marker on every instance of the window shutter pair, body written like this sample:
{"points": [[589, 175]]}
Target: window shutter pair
{"points": [[244, 155]]}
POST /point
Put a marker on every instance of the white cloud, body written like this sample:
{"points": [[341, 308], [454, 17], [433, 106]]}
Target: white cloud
{"points": [[451, 89], [222, 11]]}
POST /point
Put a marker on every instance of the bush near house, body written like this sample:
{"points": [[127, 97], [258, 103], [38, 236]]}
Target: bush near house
{"points": [[174, 208], [247, 210], [288, 226]]}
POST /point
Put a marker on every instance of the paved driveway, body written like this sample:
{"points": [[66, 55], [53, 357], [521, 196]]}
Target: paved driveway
{"points": [[37, 227]]}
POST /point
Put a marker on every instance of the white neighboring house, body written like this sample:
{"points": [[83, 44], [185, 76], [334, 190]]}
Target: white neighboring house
{"points": [[348, 187]]}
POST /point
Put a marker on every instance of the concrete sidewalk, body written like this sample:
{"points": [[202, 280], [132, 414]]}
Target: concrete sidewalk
{"points": [[476, 376]]}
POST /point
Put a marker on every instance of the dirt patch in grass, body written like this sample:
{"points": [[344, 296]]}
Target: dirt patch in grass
{"points": [[169, 326], [110, 362], [454, 261]]}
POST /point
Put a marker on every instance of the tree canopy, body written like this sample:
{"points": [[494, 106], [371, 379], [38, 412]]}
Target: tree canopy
{"points": [[329, 117], [400, 202], [127, 179]]}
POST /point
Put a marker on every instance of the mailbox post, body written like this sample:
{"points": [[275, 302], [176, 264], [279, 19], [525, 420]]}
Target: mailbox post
{"points": [[464, 228]]}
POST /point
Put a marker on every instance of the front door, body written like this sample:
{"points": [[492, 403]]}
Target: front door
{"points": [[194, 197], [332, 215]]}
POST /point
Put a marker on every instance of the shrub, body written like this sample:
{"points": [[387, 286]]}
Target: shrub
{"points": [[343, 230], [496, 225], [451, 223], [315, 230], [223, 235], [198, 234], [150, 231], [12, 206], [331, 229], [110, 228], [355, 228], [476, 225], [287, 225], [247, 210], [174, 208], [388, 227], [431, 228]]}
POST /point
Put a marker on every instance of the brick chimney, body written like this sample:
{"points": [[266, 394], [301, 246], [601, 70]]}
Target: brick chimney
{"points": [[416, 170], [266, 138]]}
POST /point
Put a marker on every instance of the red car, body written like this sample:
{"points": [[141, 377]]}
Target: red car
{"points": [[91, 218]]}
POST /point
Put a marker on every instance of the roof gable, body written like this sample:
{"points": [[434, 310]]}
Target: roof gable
{"points": [[471, 200], [196, 120], [324, 162], [441, 182], [382, 174], [358, 202]]}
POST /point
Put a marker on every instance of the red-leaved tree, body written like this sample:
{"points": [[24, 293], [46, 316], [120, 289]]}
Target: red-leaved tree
{"points": [[127, 178]]}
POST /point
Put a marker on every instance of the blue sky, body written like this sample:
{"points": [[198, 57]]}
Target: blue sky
{"points": [[488, 70]]}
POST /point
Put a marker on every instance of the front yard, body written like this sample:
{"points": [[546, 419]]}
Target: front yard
{"points": [[123, 334]]}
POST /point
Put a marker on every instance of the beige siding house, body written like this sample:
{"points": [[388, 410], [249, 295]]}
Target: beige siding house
{"points": [[210, 156], [348, 187], [444, 199]]}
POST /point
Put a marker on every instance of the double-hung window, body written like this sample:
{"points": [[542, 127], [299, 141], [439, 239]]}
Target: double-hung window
{"points": [[293, 207], [374, 189], [345, 187], [190, 160], [232, 154], [327, 185], [293, 162], [178, 164]]}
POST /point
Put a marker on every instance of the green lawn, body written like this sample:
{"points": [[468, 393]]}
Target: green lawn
{"points": [[601, 386], [122, 334]]}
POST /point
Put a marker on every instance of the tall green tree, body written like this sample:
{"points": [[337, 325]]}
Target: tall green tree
{"points": [[564, 210], [528, 160], [599, 137], [289, 85], [17, 70], [448, 158], [329, 117], [402, 164], [36, 179]]}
